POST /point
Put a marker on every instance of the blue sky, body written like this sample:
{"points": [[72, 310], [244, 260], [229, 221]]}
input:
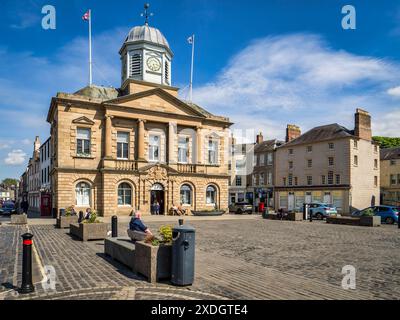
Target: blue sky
{"points": [[262, 63]]}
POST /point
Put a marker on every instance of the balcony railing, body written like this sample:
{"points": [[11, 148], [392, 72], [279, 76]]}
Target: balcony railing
{"points": [[198, 168], [187, 168], [125, 165], [132, 165]]}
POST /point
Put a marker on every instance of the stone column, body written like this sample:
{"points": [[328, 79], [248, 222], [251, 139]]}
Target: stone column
{"points": [[199, 145], [141, 139], [108, 139], [171, 143]]}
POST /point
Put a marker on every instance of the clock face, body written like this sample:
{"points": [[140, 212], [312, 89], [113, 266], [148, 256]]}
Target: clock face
{"points": [[154, 64]]}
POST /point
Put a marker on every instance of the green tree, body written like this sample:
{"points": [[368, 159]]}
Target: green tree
{"points": [[10, 182], [387, 142]]}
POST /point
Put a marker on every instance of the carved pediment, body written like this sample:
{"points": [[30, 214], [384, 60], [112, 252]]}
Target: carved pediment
{"points": [[156, 100], [83, 120], [157, 173]]}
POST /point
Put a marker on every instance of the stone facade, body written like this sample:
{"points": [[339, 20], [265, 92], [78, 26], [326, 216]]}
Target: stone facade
{"points": [[390, 176], [329, 164], [119, 150], [104, 172]]}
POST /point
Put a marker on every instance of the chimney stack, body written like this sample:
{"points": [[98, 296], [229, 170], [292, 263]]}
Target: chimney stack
{"points": [[36, 144], [292, 132], [362, 124], [260, 138]]}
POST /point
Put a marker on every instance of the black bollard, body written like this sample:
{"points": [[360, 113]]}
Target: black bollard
{"points": [[398, 222], [181, 222], [80, 218], [27, 284], [114, 227], [310, 215]]}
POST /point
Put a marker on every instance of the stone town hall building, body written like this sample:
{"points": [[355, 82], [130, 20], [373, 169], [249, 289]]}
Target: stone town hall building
{"points": [[117, 150]]}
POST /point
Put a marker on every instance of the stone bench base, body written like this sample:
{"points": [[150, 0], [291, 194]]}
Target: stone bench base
{"points": [[89, 231], [291, 216], [121, 250], [355, 221], [152, 262], [19, 219]]}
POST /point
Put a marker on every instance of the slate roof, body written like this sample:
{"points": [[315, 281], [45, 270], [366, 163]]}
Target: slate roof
{"points": [[268, 145], [322, 133], [390, 153]]}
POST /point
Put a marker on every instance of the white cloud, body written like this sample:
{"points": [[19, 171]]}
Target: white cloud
{"points": [[4, 145], [395, 91], [15, 158], [298, 79], [26, 20], [387, 124], [26, 141]]}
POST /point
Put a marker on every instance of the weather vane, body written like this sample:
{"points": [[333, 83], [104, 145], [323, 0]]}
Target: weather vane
{"points": [[146, 13]]}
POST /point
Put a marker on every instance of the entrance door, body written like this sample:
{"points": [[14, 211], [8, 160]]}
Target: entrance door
{"points": [[308, 198], [157, 197], [327, 198], [291, 201], [45, 206]]}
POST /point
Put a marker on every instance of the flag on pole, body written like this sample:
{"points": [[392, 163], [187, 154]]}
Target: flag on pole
{"points": [[190, 40], [86, 16]]}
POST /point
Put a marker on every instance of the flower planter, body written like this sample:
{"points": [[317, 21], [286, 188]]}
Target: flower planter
{"points": [[295, 216], [208, 213], [63, 222], [153, 262], [89, 231], [19, 219]]}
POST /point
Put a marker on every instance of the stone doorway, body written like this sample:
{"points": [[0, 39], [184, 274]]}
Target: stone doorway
{"points": [[157, 195]]}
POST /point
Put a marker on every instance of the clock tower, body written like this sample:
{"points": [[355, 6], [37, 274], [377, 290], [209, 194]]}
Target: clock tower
{"points": [[146, 55]]}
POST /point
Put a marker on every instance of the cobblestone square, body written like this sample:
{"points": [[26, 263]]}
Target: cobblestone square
{"points": [[236, 258]]}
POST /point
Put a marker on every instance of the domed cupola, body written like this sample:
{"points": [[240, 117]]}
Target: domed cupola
{"points": [[146, 55]]}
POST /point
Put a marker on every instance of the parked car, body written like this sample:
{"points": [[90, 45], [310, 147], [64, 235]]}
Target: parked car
{"points": [[241, 207], [321, 210], [7, 209], [388, 214]]}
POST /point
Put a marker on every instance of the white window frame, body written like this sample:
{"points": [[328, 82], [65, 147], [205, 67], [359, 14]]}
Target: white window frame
{"points": [[213, 151], [183, 151], [186, 199], [211, 195], [83, 194], [124, 145], [152, 148], [85, 142], [125, 188]]}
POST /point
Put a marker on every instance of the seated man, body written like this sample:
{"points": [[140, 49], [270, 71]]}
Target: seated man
{"points": [[136, 224]]}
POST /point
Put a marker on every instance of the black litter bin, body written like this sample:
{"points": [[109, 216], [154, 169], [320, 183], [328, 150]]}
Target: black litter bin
{"points": [[183, 247]]}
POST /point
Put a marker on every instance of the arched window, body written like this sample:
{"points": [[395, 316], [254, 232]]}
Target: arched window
{"points": [[82, 192], [124, 194], [211, 195], [186, 194]]}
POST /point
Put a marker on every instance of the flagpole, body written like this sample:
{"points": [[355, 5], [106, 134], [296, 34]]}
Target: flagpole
{"points": [[90, 48], [191, 72]]}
